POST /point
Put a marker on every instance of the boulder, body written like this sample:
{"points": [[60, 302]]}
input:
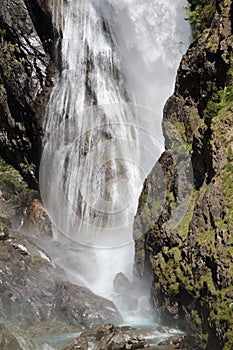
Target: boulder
{"points": [[114, 341], [11, 341], [104, 330], [120, 283], [34, 291], [109, 337], [78, 343], [36, 220]]}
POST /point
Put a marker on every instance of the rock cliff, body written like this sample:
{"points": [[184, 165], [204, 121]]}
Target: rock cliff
{"points": [[192, 261], [27, 40]]}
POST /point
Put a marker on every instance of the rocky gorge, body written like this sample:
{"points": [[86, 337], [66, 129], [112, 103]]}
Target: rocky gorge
{"points": [[192, 263]]}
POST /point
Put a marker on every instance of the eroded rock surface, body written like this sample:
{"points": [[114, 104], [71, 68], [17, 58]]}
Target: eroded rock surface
{"points": [[192, 260], [26, 60]]}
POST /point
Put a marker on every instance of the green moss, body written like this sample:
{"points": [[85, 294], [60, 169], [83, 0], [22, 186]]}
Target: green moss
{"points": [[220, 100], [181, 129], [183, 226], [196, 317], [174, 288], [148, 213], [213, 107], [11, 179], [205, 238], [226, 178], [207, 280], [213, 44], [176, 255]]}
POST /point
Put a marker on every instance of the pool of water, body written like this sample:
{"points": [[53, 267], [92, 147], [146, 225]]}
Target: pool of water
{"points": [[154, 334], [56, 341]]}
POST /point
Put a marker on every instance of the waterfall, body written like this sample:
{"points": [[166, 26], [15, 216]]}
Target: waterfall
{"points": [[102, 129]]}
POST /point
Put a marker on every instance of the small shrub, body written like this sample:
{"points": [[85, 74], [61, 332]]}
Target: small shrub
{"points": [[200, 16]]}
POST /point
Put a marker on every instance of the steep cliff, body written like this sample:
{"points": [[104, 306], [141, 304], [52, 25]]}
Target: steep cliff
{"points": [[192, 261], [26, 61]]}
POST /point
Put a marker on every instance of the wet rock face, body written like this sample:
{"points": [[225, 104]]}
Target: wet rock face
{"points": [[82, 307], [33, 291], [120, 283], [26, 48], [36, 220], [79, 343], [9, 341], [192, 262], [4, 229]]}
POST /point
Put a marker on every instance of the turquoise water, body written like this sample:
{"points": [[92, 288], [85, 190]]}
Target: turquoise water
{"points": [[57, 341], [154, 334]]}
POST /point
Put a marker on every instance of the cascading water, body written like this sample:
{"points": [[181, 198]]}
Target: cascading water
{"points": [[103, 134]]}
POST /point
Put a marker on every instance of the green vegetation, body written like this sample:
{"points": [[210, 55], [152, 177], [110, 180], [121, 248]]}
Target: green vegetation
{"points": [[197, 264], [181, 129], [200, 16], [220, 99], [183, 226], [196, 317], [210, 294], [12, 182]]}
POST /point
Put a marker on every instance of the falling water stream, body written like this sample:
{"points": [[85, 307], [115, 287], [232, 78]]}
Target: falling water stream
{"points": [[103, 133]]}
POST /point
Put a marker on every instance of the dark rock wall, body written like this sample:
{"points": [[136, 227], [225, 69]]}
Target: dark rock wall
{"points": [[26, 64], [192, 263]]}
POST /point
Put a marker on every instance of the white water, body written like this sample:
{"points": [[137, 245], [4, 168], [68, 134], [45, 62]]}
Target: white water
{"points": [[117, 56]]}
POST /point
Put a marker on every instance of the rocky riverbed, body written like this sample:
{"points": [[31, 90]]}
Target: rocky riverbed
{"points": [[110, 337]]}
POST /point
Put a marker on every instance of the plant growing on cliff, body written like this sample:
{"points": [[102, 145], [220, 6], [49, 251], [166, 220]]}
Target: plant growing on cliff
{"points": [[10, 179], [220, 100], [200, 15]]}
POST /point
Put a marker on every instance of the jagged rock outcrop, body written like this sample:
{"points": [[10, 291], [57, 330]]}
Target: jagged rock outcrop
{"points": [[34, 292], [26, 62], [192, 259]]}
